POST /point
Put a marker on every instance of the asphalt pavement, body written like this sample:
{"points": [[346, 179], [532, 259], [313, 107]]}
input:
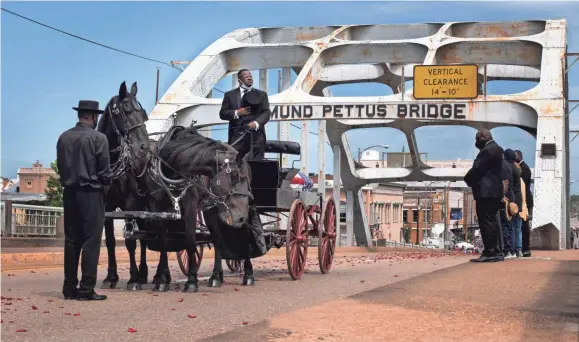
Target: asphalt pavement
{"points": [[33, 308]]}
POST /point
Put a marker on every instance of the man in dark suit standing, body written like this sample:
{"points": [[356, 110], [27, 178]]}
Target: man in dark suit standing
{"points": [[486, 180], [526, 177], [82, 156], [246, 108]]}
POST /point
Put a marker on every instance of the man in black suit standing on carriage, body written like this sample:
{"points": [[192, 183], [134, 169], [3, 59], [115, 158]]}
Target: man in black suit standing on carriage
{"points": [[246, 108], [83, 161]]}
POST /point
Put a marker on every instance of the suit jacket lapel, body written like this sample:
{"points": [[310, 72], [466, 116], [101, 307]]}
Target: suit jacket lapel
{"points": [[238, 97]]}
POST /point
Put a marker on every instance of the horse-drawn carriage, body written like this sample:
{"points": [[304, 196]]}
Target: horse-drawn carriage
{"points": [[308, 214]]}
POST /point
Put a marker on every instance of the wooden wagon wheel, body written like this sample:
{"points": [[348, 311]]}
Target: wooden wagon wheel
{"points": [[182, 255], [327, 235], [235, 266], [184, 262], [297, 240]]}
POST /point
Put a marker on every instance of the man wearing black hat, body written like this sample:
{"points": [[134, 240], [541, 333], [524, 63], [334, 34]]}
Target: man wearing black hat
{"points": [[83, 162], [246, 108], [486, 180]]}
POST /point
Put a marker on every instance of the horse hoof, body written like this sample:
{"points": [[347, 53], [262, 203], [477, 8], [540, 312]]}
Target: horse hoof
{"points": [[214, 282], [109, 284], [161, 288], [248, 281], [133, 287], [190, 288]]}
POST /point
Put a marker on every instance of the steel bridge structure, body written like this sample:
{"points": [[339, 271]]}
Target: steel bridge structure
{"points": [[328, 55]]}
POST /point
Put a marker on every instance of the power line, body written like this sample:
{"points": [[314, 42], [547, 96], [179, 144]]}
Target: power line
{"points": [[88, 40]]}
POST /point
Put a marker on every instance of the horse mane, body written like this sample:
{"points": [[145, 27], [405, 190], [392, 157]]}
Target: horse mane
{"points": [[187, 150], [104, 119]]}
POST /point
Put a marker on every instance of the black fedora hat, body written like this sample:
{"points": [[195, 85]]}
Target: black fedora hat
{"points": [[88, 106], [252, 98]]}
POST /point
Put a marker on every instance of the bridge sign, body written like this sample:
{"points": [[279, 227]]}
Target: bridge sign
{"points": [[445, 81]]}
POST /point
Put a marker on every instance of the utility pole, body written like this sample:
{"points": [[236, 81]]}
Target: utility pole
{"points": [[444, 209], [157, 88], [279, 122], [418, 223]]}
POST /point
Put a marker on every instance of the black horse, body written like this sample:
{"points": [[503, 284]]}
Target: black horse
{"points": [[123, 124], [141, 184], [207, 175]]}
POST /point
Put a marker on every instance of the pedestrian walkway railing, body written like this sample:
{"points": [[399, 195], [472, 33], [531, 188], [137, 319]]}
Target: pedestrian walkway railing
{"points": [[29, 220], [387, 243]]}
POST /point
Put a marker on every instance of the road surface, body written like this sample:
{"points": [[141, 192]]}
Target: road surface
{"points": [[33, 308]]}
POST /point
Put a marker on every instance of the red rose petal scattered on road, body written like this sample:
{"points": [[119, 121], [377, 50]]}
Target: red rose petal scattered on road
{"points": [[34, 307], [77, 314], [46, 311], [10, 321], [244, 323], [67, 314], [180, 300], [155, 295], [191, 316], [172, 309], [236, 289], [21, 330], [132, 330], [362, 281], [18, 298], [396, 276], [1, 321], [32, 272], [205, 295], [61, 307]]}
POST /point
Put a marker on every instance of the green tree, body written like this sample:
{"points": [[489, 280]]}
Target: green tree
{"points": [[406, 233], [54, 189]]}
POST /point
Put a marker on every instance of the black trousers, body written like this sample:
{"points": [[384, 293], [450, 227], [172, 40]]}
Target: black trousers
{"points": [[256, 139], [526, 228], [84, 217], [487, 211]]}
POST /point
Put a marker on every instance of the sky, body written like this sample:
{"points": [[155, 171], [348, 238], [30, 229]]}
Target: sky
{"points": [[45, 73]]}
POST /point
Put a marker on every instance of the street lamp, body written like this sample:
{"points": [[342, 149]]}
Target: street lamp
{"points": [[367, 148]]}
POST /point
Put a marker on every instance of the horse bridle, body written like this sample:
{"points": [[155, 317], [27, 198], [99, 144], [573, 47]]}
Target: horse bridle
{"points": [[119, 167], [220, 198]]}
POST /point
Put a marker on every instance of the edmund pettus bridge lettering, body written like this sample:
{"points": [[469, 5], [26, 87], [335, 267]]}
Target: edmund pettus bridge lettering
{"points": [[456, 111]]}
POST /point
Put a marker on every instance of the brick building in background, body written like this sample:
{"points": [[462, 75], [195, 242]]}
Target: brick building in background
{"points": [[34, 179]]}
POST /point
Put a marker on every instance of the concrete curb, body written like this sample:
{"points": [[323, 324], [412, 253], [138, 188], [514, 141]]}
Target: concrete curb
{"points": [[54, 257]]}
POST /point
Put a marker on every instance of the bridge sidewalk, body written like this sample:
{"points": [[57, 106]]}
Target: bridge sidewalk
{"points": [[530, 299]]}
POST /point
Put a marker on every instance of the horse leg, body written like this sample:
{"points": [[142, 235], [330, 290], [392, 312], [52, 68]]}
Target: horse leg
{"points": [[143, 270], [163, 277], [190, 217], [248, 278], [112, 277], [216, 278], [212, 223], [133, 283]]}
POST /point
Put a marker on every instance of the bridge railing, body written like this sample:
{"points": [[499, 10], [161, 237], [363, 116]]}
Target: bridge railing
{"points": [[29, 220]]}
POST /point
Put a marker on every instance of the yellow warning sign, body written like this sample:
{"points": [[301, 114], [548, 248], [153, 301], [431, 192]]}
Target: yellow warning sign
{"points": [[445, 81]]}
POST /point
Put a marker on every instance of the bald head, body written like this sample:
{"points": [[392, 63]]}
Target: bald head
{"points": [[482, 138], [484, 134]]}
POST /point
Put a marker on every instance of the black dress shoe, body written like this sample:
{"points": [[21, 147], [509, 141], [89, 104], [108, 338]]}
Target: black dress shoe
{"points": [[526, 254], [487, 259], [94, 296], [482, 258], [71, 296]]}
